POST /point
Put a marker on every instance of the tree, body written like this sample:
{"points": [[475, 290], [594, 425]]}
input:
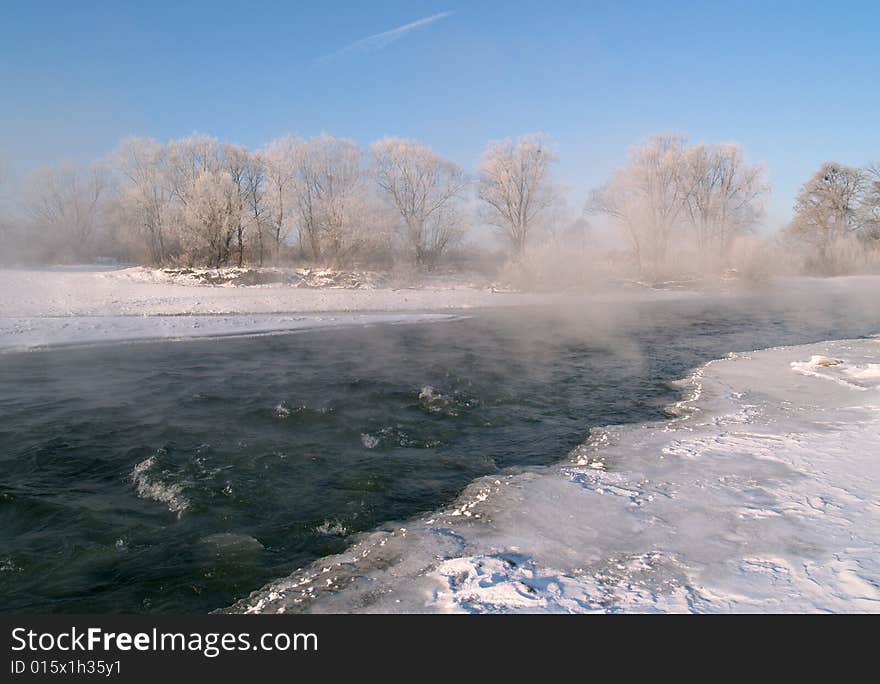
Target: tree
{"points": [[244, 169], [67, 202], [723, 195], [828, 209], [871, 205], [255, 187], [515, 186], [280, 163], [646, 198], [146, 199], [697, 198], [328, 193], [185, 160], [211, 216], [426, 190]]}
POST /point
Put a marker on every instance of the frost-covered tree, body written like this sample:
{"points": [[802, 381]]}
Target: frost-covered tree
{"points": [[159, 182], [329, 194], [723, 196], [673, 197], [828, 210], [516, 188], [427, 191], [186, 159], [244, 169], [280, 163], [646, 198], [871, 205], [257, 210], [145, 200], [211, 217], [67, 203]]}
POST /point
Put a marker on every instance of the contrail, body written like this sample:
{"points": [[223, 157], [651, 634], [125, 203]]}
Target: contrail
{"points": [[380, 40]]}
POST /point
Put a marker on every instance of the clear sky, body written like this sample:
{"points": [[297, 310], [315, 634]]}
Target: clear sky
{"points": [[796, 83]]}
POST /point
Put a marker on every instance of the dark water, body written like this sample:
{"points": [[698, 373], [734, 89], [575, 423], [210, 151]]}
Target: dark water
{"points": [[182, 476]]}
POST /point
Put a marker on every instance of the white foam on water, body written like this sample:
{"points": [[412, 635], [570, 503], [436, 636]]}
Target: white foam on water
{"points": [[8, 565], [369, 441], [285, 410], [148, 486], [432, 400], [760, 496], [331, 528], [392, 436]]}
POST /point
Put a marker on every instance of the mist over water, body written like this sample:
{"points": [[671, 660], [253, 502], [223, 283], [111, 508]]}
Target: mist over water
{"points": [[181, 476]]}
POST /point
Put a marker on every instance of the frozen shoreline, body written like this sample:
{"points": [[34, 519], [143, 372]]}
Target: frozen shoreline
{"points": [[760, 497], [141, 292], [30, 334], [78, 306], [53, 308]]}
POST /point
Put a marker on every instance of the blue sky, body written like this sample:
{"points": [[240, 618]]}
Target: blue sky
{"points": [[796, 83]]}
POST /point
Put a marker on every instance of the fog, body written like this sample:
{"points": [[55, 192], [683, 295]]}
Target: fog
{"points": [[675, 211]]}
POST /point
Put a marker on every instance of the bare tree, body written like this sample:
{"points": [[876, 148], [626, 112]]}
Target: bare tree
{"points": [[185, 160], [647, 198], [515, 186], [258, 212], [828, 209], [871, 204], [242, 165], [426, 190], [146, 199], [280, 163], [211, 217], [67, 202], [328, 191], [723, 196]]}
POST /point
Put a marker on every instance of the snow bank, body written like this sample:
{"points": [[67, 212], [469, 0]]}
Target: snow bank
{"points": [[148, 292], [75, 307], [760, 496], [23, 334]]}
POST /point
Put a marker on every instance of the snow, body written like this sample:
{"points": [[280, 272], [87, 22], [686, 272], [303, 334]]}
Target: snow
{"points": [[76, 307], [761, 495], [21, 334], [88, 305], [836, 370], [145, 292]]}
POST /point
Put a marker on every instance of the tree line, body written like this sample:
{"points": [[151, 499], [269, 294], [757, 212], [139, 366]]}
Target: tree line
{"points": [[837, 217], [196, 201]]}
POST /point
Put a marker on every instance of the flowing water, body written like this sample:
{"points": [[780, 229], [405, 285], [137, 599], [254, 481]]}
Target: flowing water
{"points": [[181, 476]]}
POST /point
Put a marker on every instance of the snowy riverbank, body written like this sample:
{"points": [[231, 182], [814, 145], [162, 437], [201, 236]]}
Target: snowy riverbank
{"points": [[145, 292], [83, 305], [40, 308], [23, 334], [88, 305], [762, 496]]}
